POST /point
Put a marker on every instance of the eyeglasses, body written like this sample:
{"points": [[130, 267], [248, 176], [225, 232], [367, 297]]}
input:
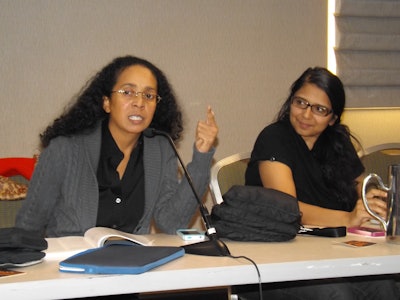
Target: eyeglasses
{"points": [[317, 109], [128, 94]]}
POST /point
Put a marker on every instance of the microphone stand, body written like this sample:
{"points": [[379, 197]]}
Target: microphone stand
{"points": [[214, 246]]}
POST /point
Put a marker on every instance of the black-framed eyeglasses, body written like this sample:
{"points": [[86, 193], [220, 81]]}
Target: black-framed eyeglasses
{"points": [[147, 96], [317, 109]]}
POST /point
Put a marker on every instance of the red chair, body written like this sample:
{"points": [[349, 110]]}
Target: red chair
{"points": [[12, 166]]}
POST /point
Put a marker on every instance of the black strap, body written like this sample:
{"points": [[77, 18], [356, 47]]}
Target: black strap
{"points": [[326, 231]]}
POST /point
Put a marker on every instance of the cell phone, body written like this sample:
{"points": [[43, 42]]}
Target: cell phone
{"points": [[366, 231], [191, 234]]}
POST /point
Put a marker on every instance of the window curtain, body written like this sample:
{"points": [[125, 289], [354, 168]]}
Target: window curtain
{"points": [[367, 50]]}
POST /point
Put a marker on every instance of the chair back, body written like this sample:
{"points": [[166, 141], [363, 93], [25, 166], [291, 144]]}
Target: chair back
{"points": [[226, 173], [377, 159]]}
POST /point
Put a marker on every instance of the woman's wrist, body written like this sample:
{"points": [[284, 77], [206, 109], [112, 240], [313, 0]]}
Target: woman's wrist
{"points": [[349, 220]]}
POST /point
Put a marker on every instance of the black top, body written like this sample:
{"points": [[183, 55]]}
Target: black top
{"points": [[121, 201], [279, 141]]}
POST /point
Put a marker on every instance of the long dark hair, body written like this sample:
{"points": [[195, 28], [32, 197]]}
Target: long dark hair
{"points": [[87, 107], [330, 149]]}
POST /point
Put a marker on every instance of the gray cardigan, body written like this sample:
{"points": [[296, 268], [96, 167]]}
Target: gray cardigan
{"points": [[63, 193]]}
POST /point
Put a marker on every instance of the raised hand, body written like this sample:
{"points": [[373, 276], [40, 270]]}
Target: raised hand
{"points": [[206, 132]]}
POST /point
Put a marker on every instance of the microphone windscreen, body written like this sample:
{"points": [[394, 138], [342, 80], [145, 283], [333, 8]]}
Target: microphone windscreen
{"points": [[149, 132]]}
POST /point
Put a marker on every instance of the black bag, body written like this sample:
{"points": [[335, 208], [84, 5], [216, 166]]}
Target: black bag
{"points": [[254, 213], [19, 247]]}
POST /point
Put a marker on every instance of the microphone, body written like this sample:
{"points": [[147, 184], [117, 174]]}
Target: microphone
{"points": [[214, 246]]}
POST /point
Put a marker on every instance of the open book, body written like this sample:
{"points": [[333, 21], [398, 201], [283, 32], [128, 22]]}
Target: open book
{"points": [[63, 247]]}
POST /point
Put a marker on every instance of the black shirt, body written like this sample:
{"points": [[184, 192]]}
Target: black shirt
{"points": [[121, 201], [280, 142]]}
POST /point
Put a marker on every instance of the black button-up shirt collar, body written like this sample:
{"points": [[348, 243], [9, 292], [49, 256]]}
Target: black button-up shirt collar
{"points": [[121, 201]]}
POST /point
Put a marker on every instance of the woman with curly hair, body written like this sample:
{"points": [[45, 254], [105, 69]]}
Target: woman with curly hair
{"points": [[310, 155], [97, 167]]}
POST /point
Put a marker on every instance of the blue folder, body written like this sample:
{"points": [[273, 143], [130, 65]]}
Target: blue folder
{"points": [[120, 259]]}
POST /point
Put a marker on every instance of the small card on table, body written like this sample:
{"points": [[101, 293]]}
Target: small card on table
{"points": [[356, 244]]}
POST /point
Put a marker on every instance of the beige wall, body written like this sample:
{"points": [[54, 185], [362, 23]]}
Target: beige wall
{"points": [[239, 56], [374, 126]]}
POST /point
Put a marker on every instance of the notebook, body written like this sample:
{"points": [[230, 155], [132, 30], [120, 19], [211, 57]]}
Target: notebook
{"points": [[120, 258]]}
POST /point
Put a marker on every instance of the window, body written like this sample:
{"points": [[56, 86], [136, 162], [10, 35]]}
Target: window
{"points": [[366, 50]]}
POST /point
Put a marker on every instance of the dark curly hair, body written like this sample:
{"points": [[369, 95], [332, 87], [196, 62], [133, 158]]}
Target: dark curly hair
{"points": [[87, 107], [330, 148]]}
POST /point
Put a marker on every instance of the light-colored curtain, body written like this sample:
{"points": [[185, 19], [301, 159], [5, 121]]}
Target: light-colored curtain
{"points": [[368, 51]]}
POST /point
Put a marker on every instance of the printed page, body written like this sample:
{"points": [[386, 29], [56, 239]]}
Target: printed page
{"points": [[99, 235], [63, 247]]}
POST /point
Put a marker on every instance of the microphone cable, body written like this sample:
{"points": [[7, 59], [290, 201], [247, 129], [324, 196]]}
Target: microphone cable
{"points": [[260, 292]]}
